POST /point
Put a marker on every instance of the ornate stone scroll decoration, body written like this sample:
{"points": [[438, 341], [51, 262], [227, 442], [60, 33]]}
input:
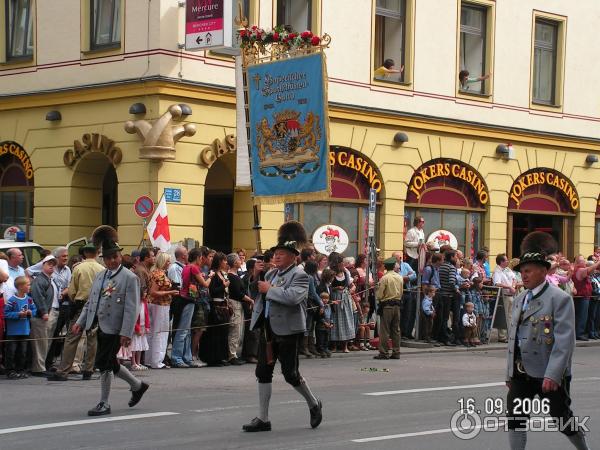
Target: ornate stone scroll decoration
{"points": [[160, 137], [218, 148], [93, 142]]}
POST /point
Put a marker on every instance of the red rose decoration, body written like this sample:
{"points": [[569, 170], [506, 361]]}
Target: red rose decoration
{"points": [[316, 40], [292, 35], [276, 36], [306, 35]]}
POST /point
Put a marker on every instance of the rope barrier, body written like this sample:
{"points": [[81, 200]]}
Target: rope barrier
{"points": [[204, 327]]}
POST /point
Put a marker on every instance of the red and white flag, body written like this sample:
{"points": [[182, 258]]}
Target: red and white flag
{"points": [[158, 227]]}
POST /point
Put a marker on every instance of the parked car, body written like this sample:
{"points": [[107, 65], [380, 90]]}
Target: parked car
{"points": [[31, 251]]}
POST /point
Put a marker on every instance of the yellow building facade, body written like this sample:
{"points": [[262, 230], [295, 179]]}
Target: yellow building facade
{"points": [[486, 167]]}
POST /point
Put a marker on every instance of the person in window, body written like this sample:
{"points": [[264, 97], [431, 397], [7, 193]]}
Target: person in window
{"points": [[464, 79], [388, 67]]}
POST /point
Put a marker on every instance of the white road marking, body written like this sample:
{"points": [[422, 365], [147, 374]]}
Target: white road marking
{"points": [[432, 389], [404, 435], [45, 426], [453, 388]]}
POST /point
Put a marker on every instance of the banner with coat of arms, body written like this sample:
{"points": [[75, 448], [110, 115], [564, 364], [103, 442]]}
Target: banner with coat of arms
{"points": [[289, 129]]}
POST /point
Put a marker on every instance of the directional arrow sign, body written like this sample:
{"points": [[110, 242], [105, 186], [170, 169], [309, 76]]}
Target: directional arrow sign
{"points": [[198, 40]]}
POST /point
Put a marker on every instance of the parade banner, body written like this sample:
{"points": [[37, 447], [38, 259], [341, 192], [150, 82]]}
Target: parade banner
{"points": [[289, 127]]}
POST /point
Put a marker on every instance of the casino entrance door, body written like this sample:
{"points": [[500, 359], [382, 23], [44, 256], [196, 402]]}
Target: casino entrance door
{"points": [[542, 199]]}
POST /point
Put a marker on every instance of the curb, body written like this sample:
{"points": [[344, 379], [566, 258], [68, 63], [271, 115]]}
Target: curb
{"points": [[406, 351]]}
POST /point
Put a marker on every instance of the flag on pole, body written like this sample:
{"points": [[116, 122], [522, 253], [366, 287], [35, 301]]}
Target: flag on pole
{"points": [[158, 227]]}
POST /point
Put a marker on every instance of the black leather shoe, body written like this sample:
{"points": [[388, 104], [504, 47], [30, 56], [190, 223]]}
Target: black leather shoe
{"points": [[39, 374], [257, 425], [58, 377], [236, 362], [101, 409], [381, 356], [395, 356], [87, 376], [136, 396], [316, 414]]}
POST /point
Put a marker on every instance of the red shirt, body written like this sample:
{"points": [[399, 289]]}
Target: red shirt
{"points": [[188, 275]]}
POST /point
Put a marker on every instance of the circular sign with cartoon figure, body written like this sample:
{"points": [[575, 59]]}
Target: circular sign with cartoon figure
{"points": [[330, 238], [440, 238]]}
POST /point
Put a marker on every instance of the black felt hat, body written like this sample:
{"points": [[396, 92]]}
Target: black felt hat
{"points": [[110, 247]]}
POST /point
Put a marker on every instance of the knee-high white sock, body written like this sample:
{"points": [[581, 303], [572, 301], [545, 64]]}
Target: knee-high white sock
{"points": [[128, 377], [305, 392], [264, 397], [105, 381], [517, 439], [578, 441]]}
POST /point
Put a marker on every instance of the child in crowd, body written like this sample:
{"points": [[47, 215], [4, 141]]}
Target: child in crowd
{"points": [[139, 342], [364, 328], [324, 324], [17, 311], [481, 311], [428, 310], [323, 328], [469, 321]]}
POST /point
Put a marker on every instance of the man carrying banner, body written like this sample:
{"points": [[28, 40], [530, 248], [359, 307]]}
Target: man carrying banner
{"points": [[280, 315]]}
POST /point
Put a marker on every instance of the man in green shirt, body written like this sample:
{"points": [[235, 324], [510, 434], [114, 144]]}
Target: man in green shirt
{"points": [[79, 291], [389, 297]]}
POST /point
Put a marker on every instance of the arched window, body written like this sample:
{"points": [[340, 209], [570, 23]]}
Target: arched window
{"points": [[16, 188]]}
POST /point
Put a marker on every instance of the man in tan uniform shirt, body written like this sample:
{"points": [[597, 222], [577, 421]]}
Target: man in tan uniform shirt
{"points": [[79, 290], [389, 298]]}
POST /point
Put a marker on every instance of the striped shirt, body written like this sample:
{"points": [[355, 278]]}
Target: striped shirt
{"points": [[447, 273]]}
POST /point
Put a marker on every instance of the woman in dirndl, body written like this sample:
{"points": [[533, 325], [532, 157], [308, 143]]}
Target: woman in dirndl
{"points": [[341, 304]]}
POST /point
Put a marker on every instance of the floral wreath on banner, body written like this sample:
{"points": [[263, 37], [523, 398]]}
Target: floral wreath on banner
{"points": [[258, 44]]}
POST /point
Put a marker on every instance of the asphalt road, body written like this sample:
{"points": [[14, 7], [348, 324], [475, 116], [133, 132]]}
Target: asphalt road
{"points": [[205, 408]]}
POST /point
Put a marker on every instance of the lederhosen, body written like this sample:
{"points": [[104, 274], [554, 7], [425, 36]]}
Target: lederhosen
{"points": [[523, 386], [108, 344], [272, 347]]}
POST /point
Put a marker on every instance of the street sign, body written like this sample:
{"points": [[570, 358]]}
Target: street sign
{"points": [[144, 206], [204, 24], [172, 195], [372, 209]]}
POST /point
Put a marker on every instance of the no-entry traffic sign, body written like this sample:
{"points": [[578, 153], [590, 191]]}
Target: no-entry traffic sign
{"points": [[144, 206]]}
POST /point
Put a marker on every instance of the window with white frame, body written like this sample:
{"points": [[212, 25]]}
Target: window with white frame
{"points": [[473, 29], [19, 29], [544, 62], [390, 40], [295, 13], [105, 21]]}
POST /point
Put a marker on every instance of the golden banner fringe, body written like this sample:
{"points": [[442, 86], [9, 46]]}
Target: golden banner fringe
{"points": [[293, 198]]}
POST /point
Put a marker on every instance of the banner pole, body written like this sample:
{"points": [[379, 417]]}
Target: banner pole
{"points": [[256, 227]]}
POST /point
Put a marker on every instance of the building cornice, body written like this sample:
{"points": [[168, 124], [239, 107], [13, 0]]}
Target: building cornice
{"points": [[406, 121]]}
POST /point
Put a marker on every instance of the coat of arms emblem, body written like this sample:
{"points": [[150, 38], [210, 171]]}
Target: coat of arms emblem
{"points": [[289, 145]]}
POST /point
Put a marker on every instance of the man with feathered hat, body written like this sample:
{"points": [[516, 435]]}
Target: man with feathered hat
{"points": [[541, 345], [113, 307], [280, 315]]}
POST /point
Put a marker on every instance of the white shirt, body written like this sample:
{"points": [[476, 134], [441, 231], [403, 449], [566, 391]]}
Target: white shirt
{"points": [[175, 271], [411, 242], [504, 276], [8, 286]]}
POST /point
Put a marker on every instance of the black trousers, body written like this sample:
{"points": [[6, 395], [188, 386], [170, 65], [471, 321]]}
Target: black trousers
{"points": [[441, 318], [407, 318], [285, 349], [16, 350], [106, 354], [523, 386], [457, 328], [322, 339]]}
